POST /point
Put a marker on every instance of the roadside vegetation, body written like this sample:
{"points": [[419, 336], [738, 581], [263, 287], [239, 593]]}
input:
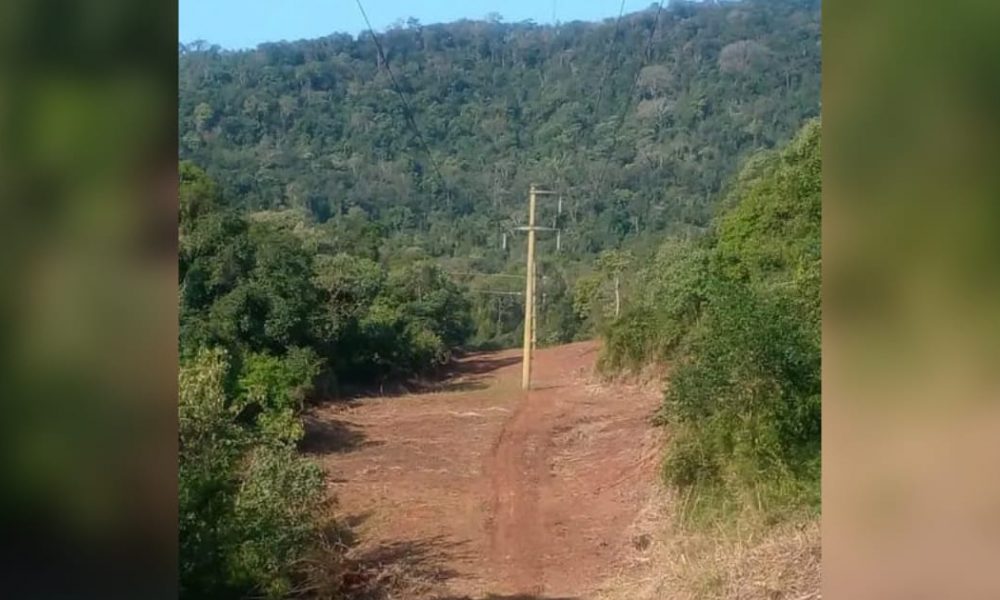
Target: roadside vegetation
{"points": [[733, 317], [272, 314], [736, 313]]}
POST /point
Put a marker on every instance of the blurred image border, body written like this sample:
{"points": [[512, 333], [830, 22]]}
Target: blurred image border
{"points": [[88, 169]]}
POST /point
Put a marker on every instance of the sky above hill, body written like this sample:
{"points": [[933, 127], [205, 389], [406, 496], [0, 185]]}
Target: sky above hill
{"points": [[238, 24]]}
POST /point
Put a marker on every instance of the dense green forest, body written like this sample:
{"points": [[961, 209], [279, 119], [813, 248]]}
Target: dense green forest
{"points": [[639, 124], [335, 233]]}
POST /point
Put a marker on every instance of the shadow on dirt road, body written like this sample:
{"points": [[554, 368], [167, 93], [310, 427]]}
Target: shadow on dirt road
{"points": [[514, 597], [330, 436]]}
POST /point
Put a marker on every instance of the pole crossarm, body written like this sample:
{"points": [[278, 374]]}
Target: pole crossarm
{"points": [[497, 292], [472, 274], [536, 228]]}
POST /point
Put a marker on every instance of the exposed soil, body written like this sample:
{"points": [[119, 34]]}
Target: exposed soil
{"points": [[478, 490]]}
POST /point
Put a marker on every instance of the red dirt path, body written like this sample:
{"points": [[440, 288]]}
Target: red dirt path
{"points": [[478, 490]]}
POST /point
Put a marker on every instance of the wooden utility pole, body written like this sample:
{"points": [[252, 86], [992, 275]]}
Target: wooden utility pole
{"points": [[556, 225], [529, 294], [530, 310], [618, 296], [534, 317]]}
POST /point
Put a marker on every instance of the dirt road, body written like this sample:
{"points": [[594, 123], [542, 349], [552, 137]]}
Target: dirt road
{"points": [[477, 490]]}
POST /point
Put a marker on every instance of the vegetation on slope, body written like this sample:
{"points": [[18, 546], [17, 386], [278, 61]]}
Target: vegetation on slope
{"points": [[737, 311]]}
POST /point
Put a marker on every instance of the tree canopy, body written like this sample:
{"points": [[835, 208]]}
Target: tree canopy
{"points": [[640, 124]]}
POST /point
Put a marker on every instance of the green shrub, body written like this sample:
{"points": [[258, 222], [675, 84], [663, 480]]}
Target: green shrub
{"points": [[630, 342], [744, 403], [249, 506], [666, 303], [274, 520], [279, 382]]}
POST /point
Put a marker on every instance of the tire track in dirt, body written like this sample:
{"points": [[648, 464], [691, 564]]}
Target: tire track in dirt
{"points": [[514, 522], [479, 490]]}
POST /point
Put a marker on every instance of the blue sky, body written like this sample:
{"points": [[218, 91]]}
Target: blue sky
{"points": [[237, 24]]}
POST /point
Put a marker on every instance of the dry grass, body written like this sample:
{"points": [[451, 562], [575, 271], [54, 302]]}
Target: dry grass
{"points": [[748, 562], [652, 375], [387, 582]]}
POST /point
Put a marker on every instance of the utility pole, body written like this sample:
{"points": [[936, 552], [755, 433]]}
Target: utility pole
{"points": [[555, 224], [618, 296], [539, 306], [529, 291], [534, 317], [529, 294], [499, 315]]}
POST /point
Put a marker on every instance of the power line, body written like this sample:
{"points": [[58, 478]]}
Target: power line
{"points": [[628, 99], [406, 105], [607, 65], [554, 43]]}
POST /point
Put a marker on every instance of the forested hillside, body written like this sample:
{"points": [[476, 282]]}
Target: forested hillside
{"points": [[638, 122]]}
